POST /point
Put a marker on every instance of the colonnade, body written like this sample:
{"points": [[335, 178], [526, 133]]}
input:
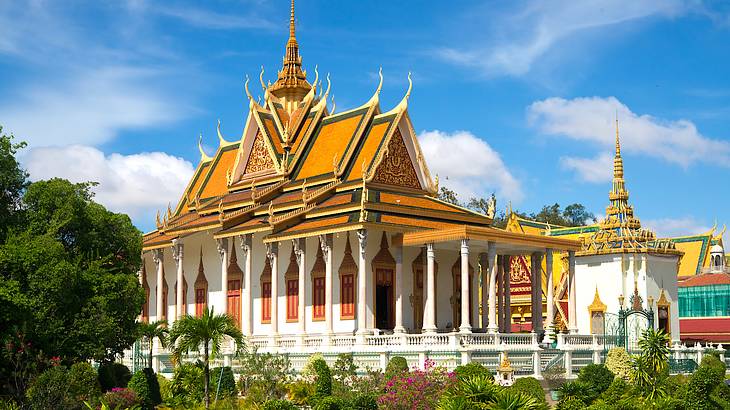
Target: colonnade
{"points": [[495, 273]]}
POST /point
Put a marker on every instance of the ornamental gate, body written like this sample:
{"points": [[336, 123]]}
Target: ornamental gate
{"points": [[633, 322]]}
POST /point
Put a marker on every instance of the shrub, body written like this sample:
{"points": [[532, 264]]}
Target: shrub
{"points": [[344, 371], [187, 386], [264, 377], [331, 403], [227, 386], [555, 377], [278, 404], [120, 398], [599, 405], [701, 385], [472, 369], [300, 391], [396, 365], [323, 384], [113, 374], [618, 362], [617, 390], [145, 384], [308, 372], [83, 383], [578, 390], [49, 390], [710, 360], [416, 389], [364, 401], [531, 387], [597, 376], [571, 403], [165, 386]]}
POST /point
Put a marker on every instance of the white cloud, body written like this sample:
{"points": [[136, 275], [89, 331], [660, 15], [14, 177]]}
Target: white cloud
{"points": [[91, 108], [671, 227], [597, 169], [212, 20], [590, 119], [522, 36], [468, 165], [137, 184]]}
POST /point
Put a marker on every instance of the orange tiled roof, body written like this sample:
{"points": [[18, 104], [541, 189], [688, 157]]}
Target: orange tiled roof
{"points": [[369, 147], [215, 182], [706, 279]]}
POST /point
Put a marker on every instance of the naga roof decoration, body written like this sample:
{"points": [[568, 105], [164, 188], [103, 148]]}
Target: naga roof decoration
{"points": [[298, 169]]}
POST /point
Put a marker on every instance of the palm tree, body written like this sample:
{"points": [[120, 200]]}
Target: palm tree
{"points": [[209, 330], [150, 331]]}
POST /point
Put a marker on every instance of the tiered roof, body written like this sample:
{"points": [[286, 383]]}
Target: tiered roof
{"points": [[300, 169]]}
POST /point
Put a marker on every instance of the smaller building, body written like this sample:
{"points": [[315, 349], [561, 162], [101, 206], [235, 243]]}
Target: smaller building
{"points": [[704, 308]]}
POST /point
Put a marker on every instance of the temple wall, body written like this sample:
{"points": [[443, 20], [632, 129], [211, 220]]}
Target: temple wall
{"points": [[662, 274]]}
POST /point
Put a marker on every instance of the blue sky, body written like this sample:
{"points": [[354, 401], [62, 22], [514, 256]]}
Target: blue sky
{"points": [[513, 97]]}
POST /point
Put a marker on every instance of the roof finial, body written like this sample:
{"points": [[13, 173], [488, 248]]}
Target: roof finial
{"points": [[618, 142], [618, 163], [203, 156], [291, 21]]}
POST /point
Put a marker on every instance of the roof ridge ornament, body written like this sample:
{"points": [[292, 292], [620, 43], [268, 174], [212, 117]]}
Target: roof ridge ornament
{"points": [[221, 141], [375, 99], [203, 156]]}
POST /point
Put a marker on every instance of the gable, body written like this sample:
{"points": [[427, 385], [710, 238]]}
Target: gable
{"points": [[396, 166], [258, 159], [216, 181]]}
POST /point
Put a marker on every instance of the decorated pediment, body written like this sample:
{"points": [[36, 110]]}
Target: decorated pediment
{"points": [[396, 166]]}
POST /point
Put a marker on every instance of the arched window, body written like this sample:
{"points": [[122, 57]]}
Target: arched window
{"points": [[348, 275], [266, 292], [201, 288], [235, 276], [318, 288], [291, 278]]}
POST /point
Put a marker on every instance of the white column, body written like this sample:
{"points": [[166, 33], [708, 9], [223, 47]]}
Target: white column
{"points": [[177, 255], [222, 245], [571, 299], [327, 252], [246, 311], [429, 322], [362, 236], [300, 252], [158, 256], [272, 252], [484, 279], [492, 269], [550, 296], [465, 313], [506, 282], [536, 260], [398, 246]]}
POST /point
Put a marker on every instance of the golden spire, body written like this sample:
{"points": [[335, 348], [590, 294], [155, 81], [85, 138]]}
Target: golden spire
{"points": [[618, 162], [291, 83]]}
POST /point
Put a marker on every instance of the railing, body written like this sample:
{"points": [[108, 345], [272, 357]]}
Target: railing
{"points": [[714, 269]]}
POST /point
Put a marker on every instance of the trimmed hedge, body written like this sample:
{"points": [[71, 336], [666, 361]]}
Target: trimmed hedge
{"points": [[277, 404], [472, 369], [227, 382], [396, 366], [113, 374], [531, 387], [145, 384]]}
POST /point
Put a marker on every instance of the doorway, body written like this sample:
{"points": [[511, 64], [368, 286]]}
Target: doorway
{"points": [[384, 301]]}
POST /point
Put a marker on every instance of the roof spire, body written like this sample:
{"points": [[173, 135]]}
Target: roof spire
{"points": [[618, 162], [291, 82]]}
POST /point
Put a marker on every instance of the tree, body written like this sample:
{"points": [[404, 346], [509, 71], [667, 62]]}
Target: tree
{"points": [[13, 181], [151, 331], [68, 279], [209, 331], [447, 195], [651, 367]]}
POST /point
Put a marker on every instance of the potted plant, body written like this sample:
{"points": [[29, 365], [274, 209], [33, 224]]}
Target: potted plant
{"points": [[555, 377]]}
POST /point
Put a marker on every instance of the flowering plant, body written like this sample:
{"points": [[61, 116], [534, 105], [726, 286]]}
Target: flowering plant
{"points": [[416, 389], [121, 398]]}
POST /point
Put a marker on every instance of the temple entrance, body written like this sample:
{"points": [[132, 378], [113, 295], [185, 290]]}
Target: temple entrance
{"points": [[384, 301]]}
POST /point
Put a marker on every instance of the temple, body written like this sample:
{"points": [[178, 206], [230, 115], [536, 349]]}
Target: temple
{"points": [[320, 230]]}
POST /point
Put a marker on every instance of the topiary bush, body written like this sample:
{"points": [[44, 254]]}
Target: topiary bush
{"points": [[618, 362], [113, 374], [531, 387], [331, 403], [278, 404], [49, 390], [396, 365], [145, 384], [701, 384], [597, 376], [83, 383], [323, 383], [227, 387], [472, 369], [710, 360], [188, 386]]}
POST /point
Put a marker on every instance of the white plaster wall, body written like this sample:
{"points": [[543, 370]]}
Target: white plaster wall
{"points": [[661, 273], [602, 272]]}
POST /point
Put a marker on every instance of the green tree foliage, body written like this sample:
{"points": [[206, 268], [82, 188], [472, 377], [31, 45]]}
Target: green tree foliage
{"points": [[597, 376], [472, 369], [186, 387], [68, 275], [618, 362], [223, 382], [531, 387], [13, 181], [61, 388], [323, 383], [145, 385], [651, 368], [264, 377], [278, 404], [396, 365], [480, 392], [209, 331]]}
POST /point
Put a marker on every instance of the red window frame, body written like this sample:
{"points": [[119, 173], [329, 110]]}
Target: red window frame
{"points": [[347, 296], [234, 300], [292, 300], [200, 301], [318, 291], [266, 302]]}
